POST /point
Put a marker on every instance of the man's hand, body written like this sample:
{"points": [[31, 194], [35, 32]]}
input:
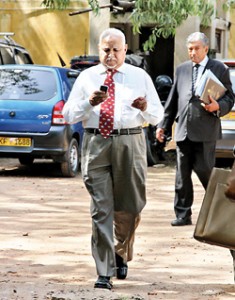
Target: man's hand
{"points": [[160, 135], [230, 190], [213, 106], [97, 97], [140, 103]]}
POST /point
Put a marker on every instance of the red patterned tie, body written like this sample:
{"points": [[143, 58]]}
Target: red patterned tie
{"points": [[107, 107]]}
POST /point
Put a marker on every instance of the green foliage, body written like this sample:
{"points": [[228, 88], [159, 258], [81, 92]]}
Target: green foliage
{"points": [[55, 4], [62, 4], [94, 4], [229, 4], [167, 15], [163, 15]]}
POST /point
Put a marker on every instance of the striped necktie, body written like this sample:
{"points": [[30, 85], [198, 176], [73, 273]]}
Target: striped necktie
{"points": [[194, 78]]}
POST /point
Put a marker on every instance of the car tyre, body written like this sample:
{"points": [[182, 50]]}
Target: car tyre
{"points": [[155, 149], [26, 160], [70, 166], [152, 157]]}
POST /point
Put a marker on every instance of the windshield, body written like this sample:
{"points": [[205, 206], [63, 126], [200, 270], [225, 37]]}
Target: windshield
{"points": [[25, 84]]}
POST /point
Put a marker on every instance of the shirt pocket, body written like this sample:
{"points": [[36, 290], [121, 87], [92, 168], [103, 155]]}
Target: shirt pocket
{"points": [[129, 93]]}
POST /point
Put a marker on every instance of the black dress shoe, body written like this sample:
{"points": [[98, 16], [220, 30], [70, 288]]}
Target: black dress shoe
{"points": [[122, 268], [182, 222], [103, 282]]}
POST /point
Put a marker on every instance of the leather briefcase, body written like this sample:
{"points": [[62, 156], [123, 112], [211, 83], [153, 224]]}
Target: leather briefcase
{"points": [[230, 190], [216, 220]]}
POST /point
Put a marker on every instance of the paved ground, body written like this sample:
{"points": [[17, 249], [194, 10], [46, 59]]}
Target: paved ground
{"points": [[45, 243]]}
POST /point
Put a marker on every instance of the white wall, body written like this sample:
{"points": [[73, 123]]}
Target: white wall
{"points": [[97, 25]]}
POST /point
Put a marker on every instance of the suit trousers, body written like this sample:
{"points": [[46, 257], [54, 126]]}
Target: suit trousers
{"points": [[191, 156], [114, 172]]}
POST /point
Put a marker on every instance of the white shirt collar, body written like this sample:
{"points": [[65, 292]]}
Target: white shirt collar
{"points": [[203, 62], [102, 68], [121, 69]]}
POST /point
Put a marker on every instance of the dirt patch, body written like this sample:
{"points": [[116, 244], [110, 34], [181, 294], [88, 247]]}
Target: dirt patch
{"points": [[45, 242]]}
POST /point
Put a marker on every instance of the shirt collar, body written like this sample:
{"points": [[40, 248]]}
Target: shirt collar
{"points": [[203, 62], [103, 69]]}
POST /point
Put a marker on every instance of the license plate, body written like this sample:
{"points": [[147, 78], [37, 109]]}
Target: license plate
{"points": [[229, 116], [15, 141]]}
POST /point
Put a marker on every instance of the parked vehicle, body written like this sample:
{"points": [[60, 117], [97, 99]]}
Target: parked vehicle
{"points": [[11, 52], [32, 124], [224, 147], [83, 62]]}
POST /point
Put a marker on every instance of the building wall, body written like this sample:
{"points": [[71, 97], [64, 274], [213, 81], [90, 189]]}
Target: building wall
{"points": [[231, 49], [45, 32], [192, 24], [48, 32], [97, 25], [218, 32]]}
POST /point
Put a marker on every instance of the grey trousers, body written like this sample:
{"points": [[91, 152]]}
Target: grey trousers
{"points": [[114, 172]]}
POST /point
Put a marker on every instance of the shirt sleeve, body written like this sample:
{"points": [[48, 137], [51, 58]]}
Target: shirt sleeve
{"points": [[155, 111], [78, 106]]}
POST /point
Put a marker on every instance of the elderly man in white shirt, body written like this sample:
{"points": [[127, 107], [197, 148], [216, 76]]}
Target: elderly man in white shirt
{"points": [[114, 165]]}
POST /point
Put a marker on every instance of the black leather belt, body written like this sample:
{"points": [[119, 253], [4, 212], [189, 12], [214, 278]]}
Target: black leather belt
{"points": [[122, 131]]}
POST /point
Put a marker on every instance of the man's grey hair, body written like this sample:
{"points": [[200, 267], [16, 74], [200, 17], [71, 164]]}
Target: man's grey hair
{"points": [[112, 32], [197, 36]]}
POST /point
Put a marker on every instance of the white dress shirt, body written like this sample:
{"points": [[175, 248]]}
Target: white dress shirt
{"points": [[130, 83]]}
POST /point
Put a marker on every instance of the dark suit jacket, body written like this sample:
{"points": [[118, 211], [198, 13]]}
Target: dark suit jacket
{"points": [[192, 120]]}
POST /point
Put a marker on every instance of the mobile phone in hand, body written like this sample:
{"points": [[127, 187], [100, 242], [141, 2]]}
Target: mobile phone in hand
{"points": [[104, 88]]}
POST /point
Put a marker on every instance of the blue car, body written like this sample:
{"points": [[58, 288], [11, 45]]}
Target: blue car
{"points": [[31, 121]]}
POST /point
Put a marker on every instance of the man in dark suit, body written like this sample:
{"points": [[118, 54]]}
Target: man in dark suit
{"points": [[197, 125]]}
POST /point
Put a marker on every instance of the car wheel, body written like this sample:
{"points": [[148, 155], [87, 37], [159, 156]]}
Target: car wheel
{"points": [[155, 149], [26, 160], [70, 166], [152, 157]]}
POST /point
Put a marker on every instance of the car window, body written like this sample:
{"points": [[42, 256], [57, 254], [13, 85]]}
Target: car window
{"points": [[23, 84], [6, 56], [71, 81], [71, 77], [11, 52], [22, 57]]}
